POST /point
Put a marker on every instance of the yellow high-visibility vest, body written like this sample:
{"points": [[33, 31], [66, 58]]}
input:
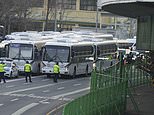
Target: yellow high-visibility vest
{"points": [[56, 69], [2, 67], [27, 68]]}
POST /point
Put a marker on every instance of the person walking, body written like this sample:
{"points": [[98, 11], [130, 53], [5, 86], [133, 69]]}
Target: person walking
{"points": [[2, 71], [27, 70], [56, 70]]}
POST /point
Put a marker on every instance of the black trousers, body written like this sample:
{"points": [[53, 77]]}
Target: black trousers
{"points": [[28, 74], [2, 77], [56, 75]]}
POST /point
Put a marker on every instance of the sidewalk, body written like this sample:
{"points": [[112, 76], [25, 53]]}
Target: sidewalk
{"points": [[144, 97]]}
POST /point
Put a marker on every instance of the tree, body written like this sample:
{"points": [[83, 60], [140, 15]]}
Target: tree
{"points": [[15, 13], [55, 8]]}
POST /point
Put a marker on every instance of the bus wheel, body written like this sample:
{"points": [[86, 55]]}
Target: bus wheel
{"points": [[87, 71], [74, 73]]}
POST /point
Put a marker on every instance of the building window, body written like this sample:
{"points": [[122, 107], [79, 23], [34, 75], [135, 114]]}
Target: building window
{"points": [[89, 5], [67, 4], [38, 3]]}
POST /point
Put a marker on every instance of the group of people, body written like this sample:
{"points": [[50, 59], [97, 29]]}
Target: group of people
{"points": [[28, 70]]}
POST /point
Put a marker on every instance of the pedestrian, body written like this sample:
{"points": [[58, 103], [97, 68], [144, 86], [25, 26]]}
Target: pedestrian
{"points": [[2, 71], [56, 70], [129, 58], [27, 70]]}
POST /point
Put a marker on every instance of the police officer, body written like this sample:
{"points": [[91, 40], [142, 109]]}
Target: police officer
{"points": [[2, 71], [27, 69], [56, 70]]}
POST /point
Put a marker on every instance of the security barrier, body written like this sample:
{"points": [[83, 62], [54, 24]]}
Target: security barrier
{"points": [[108, 91]]}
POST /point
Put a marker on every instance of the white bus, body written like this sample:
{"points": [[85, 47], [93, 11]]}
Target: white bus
{"points": [[73, 57], [24, 50], [105, 49]]}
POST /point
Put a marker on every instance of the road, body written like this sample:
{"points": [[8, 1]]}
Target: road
{"points": [[41, 96]]}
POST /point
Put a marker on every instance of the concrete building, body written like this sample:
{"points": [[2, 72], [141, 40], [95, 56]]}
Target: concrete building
{"points": [[143, 11], [68, 14]]}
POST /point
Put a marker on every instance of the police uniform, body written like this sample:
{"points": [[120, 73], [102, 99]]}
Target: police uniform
{"points": [[2, 71], [56, 70], [27, 69]]}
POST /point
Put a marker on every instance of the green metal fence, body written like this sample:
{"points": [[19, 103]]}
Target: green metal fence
{"points": [[108, 91]]}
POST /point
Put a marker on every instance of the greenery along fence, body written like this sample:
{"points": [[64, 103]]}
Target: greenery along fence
{"points": [[108, 91]]}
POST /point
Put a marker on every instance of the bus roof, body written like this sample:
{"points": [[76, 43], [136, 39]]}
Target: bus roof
{"points": [[68, 43], [26, 42]]}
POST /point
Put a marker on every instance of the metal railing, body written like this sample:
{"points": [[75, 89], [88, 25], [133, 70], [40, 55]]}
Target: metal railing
{"points": [[109, 90]]}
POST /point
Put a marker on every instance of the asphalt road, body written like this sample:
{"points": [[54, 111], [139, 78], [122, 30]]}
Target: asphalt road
{"points": [[40, 97]]}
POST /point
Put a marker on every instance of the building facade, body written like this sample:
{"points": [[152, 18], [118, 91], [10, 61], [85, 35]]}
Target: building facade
{"points": [[68, 14]]}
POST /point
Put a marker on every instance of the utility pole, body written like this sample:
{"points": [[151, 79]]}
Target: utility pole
{"points": [[97, 16], [55, 29]]}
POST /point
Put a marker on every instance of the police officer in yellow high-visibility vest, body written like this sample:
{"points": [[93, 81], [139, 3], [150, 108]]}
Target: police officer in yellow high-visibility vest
{"points": [[27, 69], [56, 70], [2, 71]]}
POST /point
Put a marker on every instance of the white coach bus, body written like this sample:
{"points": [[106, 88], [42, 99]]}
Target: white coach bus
{"points": [[105, 49], [73, 57], [25, 50]]}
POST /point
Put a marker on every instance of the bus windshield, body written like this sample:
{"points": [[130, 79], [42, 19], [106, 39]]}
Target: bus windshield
{"points": [[20, 51], [56, 53]]}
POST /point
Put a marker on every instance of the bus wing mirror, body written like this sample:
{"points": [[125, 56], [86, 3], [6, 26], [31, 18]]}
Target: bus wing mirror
{"points": [[72, 55]]}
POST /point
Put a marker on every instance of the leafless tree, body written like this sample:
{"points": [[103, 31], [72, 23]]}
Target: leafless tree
{"points": [[55, 8], [15, 12]]}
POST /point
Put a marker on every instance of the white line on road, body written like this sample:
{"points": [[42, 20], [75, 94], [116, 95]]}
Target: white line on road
{"points": [[46, 80], [60, 88], [9, 86], [14, 99], [25, 108], [32, 88], [22, 79], [44, 101], [76, 84], [69, 93], [45, 91], [1, 104]]}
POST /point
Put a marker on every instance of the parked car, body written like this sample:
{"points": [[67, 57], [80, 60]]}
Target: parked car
{"points": [[11, 69]]}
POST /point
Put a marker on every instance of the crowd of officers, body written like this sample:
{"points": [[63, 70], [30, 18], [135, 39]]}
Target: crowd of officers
{"points": [[28, 70]]}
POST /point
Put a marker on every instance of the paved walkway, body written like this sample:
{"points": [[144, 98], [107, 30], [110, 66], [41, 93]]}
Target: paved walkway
{"points": [[144, 97]]}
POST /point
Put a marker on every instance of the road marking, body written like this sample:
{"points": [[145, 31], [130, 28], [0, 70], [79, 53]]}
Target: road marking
{"points": [[76, 84], [55, 109], [9, 86], [70, 93], [21, 79], [14, 99], [25, 108], [32, 88], [45, 91], [44, 101], [1, 104], [37, 87], [60, 88], [45, 79]]}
